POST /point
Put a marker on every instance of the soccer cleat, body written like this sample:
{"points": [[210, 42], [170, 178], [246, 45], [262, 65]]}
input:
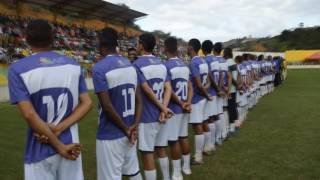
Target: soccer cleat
{"points": [[213, 148], [207, 151], [196, 161], [186, 171], [177, 177], [219, 142]]}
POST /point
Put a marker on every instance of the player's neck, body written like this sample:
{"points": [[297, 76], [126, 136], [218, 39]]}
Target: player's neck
{"points": [[216, 54], [109, 52], [170, 55], [193, 54], [145, 53], [38, 50]]}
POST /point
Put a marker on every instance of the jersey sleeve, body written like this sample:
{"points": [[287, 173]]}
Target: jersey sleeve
{"points": [[140, 76], [194, 70], [82, 85], [17, 89], [99, 80]]}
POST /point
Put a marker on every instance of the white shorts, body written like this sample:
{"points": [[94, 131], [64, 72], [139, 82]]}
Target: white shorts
{"points": [[147, 136], [243, 100], [183, 131], [197, 114], [211, 107], [54, 167], [264, 79], [238, 97], [225, 102], [220, 105], [163, 134], [116, 158], [178, 127]]}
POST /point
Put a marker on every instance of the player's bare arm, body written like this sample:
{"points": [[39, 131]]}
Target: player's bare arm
{"points": [[208, 84], [153, 98], [109, 110], [202, 89], [166, 98], [187, 106], [230, 79], [28, 112], [214, 85], [176, 99], [221, 82], [85, 104], [137, 116], [151, 95]]}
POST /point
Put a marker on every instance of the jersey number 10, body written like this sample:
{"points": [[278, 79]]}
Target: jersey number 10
{"points": [[55, 115]]}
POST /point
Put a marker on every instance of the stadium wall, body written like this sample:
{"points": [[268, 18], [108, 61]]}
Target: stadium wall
{"points": [[299, 55], [238, 53]]}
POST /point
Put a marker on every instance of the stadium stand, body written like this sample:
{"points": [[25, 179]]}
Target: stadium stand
{"points": [[78, 40]]}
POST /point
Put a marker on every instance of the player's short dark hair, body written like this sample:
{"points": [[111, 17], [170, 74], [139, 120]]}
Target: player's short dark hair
{"points": [[148, 41], [245, 56], [227, 53], [39, 34], [218, 47], [108, 38], [171, 44], [260, 57], [238, 59], [195, 44], [207, 46]]}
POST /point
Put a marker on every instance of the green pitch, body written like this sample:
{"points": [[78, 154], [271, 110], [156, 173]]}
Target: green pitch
{"points": [[280, 139]]}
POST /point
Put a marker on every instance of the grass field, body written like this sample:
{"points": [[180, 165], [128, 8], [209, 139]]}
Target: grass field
{"points": [[280, 139]]}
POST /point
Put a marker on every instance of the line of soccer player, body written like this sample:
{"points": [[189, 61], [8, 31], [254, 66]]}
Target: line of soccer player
{"points": [[145, 105]]}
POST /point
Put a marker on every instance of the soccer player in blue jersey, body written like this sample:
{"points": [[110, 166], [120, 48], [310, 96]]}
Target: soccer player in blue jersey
{"points": [[233, 84], [51, 94], [199, 73], [224, 85], [176, 128], [211, 106], [156, 93], [116, 83]]}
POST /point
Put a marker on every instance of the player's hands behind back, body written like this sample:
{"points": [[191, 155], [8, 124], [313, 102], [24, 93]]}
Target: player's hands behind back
{"points": [[69, 151], [44, 139], [186, 107], [132, 133], [165, 115]]}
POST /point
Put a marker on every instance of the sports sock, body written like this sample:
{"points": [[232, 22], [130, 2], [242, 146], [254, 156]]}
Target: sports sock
{"points": [[176, 165], [212, 127], [222, 124], [150, 175], [199, 142], [232, 127], [218, 129], [186, 161], [208, 141], [164, 166]]}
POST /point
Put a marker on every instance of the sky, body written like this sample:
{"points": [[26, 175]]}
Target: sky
{"points": [[222, 20]]}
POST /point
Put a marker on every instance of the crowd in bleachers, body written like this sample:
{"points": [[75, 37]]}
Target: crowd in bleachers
{"points": [[75, 41]]}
